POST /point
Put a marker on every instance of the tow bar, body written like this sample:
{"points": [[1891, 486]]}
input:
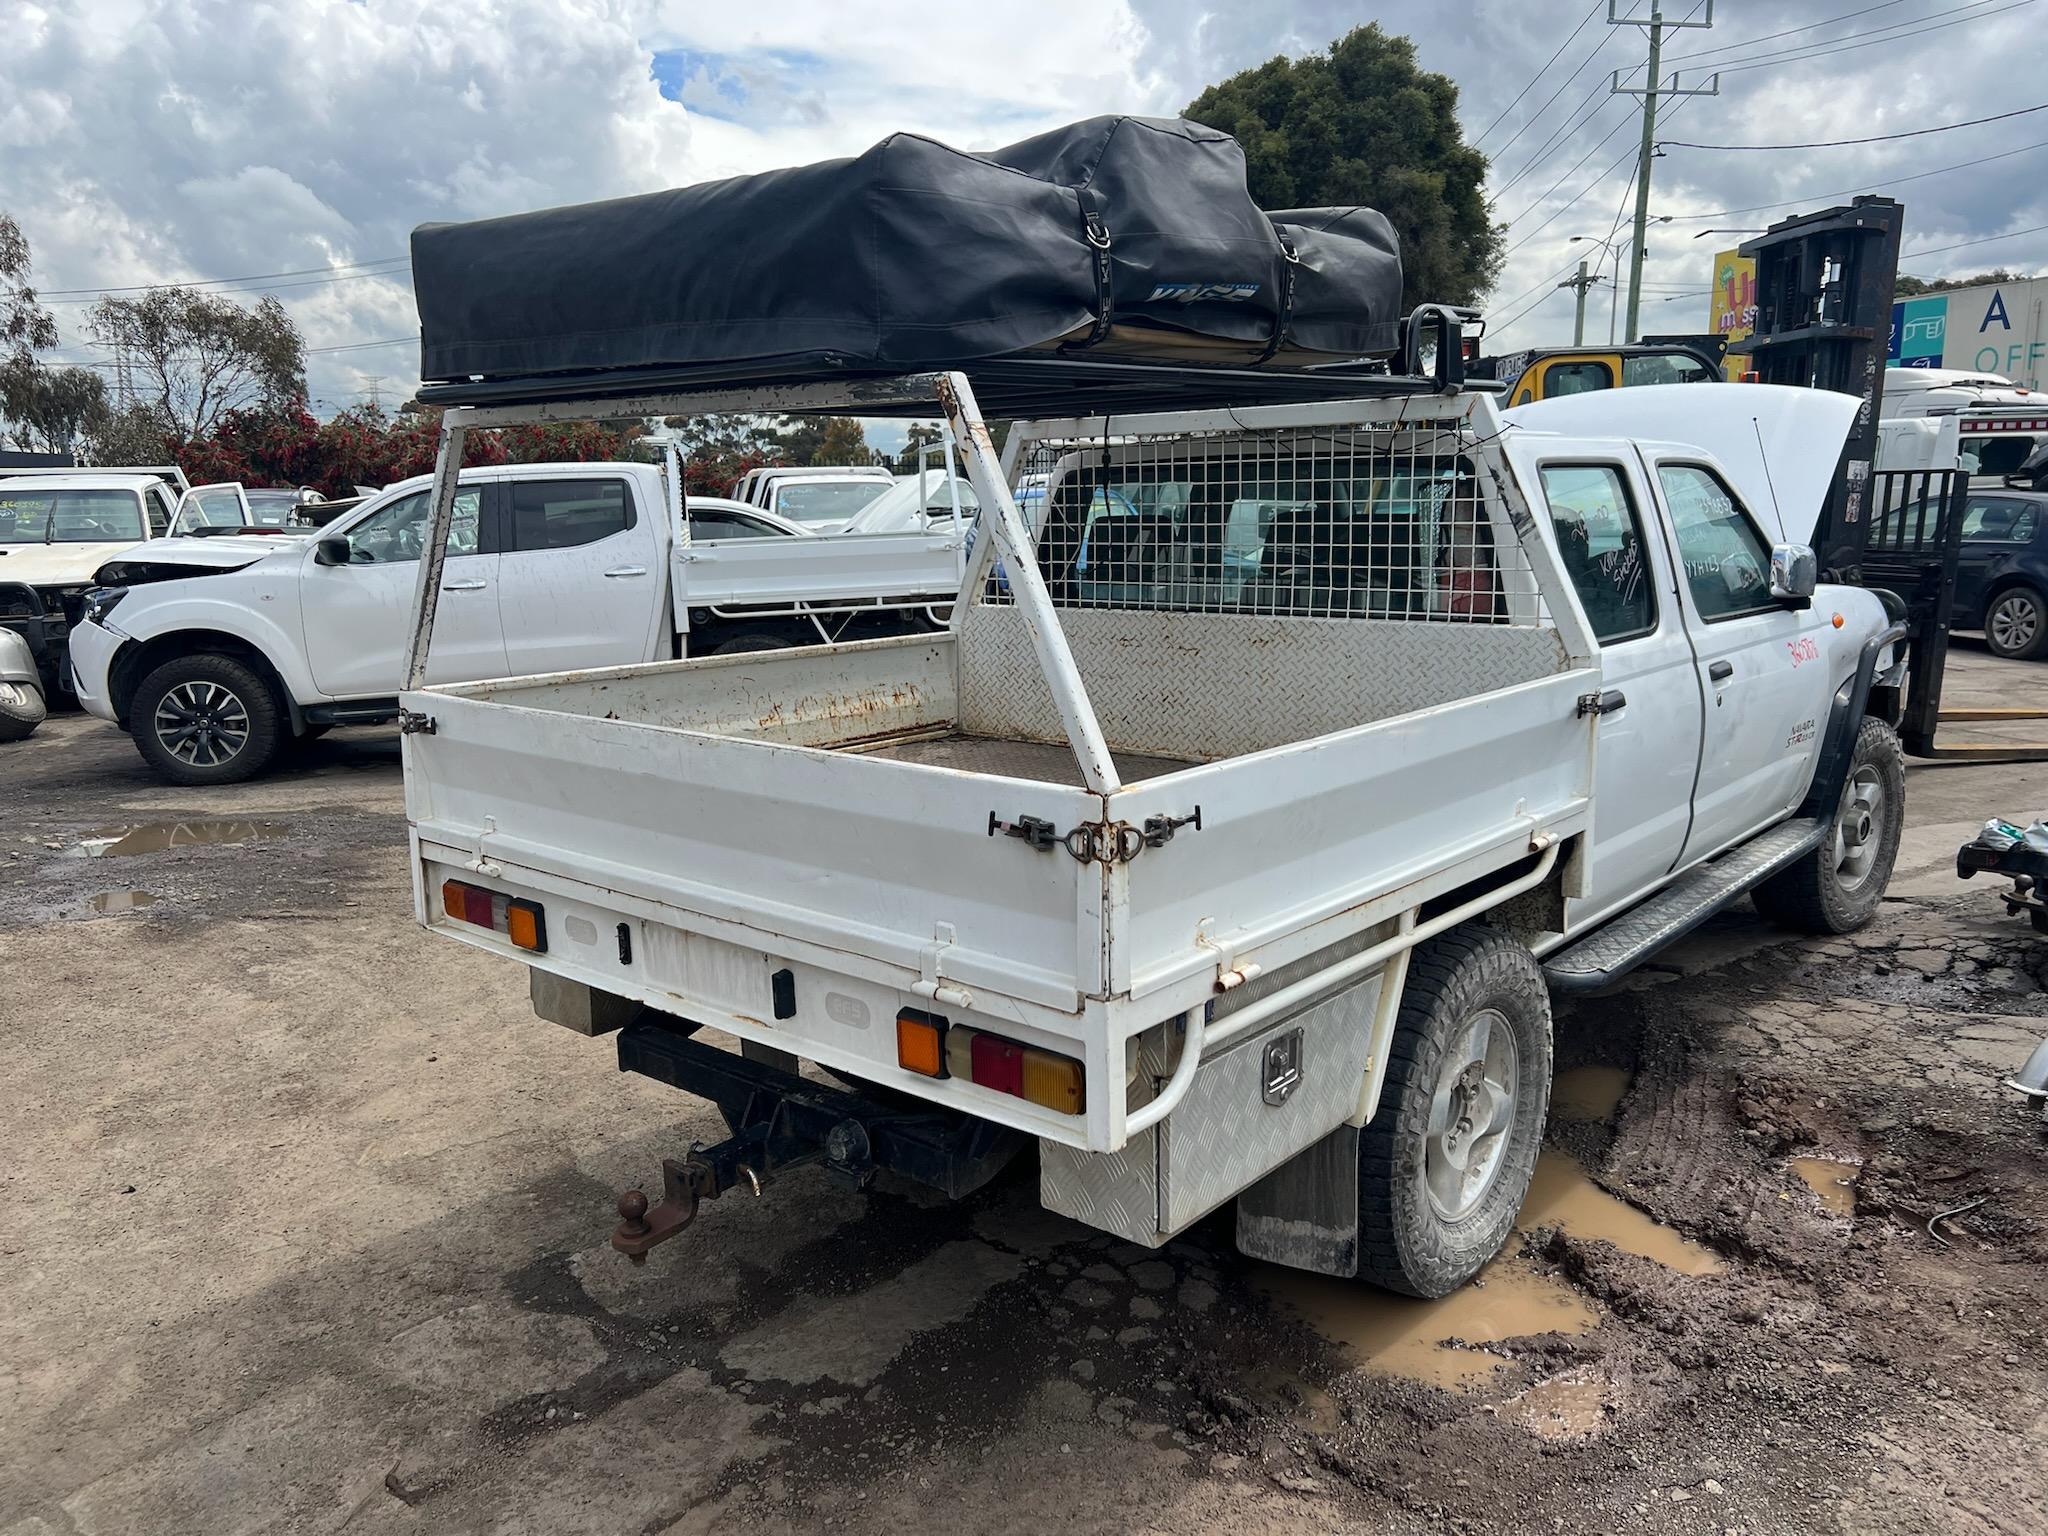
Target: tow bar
{"points": [[781, 1121]]}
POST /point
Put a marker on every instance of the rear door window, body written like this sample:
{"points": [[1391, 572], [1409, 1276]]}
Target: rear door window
{"points": [[562, 514], [1600, 542], [1999, 520]]}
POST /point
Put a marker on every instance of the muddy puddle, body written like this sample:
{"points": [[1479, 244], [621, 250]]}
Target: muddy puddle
{"points": [[108, 903], [161, 836], [1833, 1183], [1403, 1336], [1587, 1093], [1436, 1342]]}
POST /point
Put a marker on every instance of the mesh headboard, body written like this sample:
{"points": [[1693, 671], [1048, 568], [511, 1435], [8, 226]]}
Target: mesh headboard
{"points": [[1206, 685]]}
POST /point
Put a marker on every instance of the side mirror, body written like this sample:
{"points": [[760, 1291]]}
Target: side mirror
{"points": [[331, 551], [1795, 572]]}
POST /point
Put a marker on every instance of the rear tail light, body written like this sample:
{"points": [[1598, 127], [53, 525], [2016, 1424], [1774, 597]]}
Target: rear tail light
{"points": [[989, 1061], [521, 921]]}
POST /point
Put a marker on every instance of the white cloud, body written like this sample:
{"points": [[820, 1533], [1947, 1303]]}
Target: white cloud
{"points": [[154, 140]]}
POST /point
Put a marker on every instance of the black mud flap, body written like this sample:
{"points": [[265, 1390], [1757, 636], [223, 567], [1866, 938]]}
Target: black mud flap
{"points": [[1304, 1214]]}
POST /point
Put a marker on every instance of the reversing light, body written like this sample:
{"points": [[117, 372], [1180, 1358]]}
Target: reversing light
{"points": [[521, 921]]}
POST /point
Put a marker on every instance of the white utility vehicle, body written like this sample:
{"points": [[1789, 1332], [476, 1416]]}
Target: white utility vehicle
{"points": [[216, 652], [756, 485], [1228, 840], [58, 525]]}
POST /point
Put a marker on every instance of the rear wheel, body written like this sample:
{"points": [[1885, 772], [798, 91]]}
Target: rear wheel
{"points": [[758, 640], [1836, 888], [1446, 1162], [2016, 623], [206, 719]]}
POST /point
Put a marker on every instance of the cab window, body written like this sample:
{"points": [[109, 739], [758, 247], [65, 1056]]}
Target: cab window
{"points": [[1665, 368], [1600, 541], [398, 532], [1727, 563], [1576, 378]]}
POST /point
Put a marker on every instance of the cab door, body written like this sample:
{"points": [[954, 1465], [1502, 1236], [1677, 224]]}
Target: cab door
{"points": [[1762, 665], [220, 505], [1611, 547], [357, 614], [1996, 531], [582, 582]]}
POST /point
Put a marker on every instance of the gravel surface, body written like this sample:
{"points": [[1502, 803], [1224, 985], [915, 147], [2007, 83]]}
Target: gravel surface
{"points": [[304, 1227]]}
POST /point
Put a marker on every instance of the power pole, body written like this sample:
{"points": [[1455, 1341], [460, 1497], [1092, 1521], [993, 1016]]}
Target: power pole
{"points": [[1582, 282], [1650, 90]]}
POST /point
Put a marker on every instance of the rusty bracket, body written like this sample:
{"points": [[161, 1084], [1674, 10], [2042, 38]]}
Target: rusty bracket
{"points": [[412, 723]]}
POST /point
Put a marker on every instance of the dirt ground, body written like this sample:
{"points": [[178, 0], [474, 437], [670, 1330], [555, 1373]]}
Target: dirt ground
{"points": [[304, 1229]]}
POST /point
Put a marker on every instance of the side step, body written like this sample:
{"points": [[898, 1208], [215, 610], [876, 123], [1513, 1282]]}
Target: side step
{"points": [[1617, 947]]}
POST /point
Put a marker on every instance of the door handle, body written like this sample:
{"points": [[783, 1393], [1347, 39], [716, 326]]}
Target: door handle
{"points": [[627, 570], [1721, 671], [1602, 703], [463, 586]]}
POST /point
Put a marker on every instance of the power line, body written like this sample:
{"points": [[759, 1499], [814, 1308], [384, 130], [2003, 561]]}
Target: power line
{"points": [[1597, 98], [1537, 201], [2012, 234], [1879, 138], [360, 346], [1811, 26], [1772, 63], [314, 282], [1536, 116], [209, 282], [1889, 181], [1504, 111]]}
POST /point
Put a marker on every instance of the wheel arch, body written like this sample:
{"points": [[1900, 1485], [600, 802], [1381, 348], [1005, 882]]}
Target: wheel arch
{"points": [[138, 658]]}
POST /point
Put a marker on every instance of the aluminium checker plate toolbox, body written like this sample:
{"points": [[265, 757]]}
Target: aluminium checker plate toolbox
{"points": [[1252, 1106]]}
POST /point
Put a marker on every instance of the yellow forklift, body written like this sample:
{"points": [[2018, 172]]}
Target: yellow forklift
{"points": [[1546, 373]]}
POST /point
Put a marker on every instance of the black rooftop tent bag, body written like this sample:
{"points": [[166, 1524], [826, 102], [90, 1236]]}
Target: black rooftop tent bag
{"points": [[1119, 237]]}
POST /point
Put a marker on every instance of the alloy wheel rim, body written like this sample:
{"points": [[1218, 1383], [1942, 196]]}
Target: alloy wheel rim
{"points": [[2014, 622], [202, 723], [1471, 1115], [1859, 827]]}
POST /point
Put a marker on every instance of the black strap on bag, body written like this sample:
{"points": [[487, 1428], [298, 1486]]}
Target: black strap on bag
{"points": [[1290, 262], [1096, 233]]}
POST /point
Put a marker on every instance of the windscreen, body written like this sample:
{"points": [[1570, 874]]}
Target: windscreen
{"points": [[70, 517], [826, 501]]}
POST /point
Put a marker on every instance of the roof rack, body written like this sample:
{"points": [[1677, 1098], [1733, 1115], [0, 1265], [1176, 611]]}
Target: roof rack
{"points": [[1013, 387]]}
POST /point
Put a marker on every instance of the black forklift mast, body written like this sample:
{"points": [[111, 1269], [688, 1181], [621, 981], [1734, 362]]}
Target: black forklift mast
{"points": [[1824, 305]]}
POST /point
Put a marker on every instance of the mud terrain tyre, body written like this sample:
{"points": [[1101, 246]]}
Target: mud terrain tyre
{"points": [[206, 719], [1446, 1162], [1836, 888]]}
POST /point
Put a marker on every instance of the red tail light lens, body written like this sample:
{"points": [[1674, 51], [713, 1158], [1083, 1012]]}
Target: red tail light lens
{"points": [[998, 1064]]}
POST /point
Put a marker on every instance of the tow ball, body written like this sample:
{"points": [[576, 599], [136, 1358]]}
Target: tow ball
{"points": [[708, 1172]]}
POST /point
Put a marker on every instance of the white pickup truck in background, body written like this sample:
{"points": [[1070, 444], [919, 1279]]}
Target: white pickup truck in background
{"points": [[216, 652], [1231, 846]]}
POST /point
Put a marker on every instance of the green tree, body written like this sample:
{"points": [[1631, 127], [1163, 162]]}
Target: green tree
{"points": [[50, 410], [1362, 124], [198, 356], [1907, 287], [919, 435]]}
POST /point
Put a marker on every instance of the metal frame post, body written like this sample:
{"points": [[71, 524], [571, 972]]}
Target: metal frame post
{"points": [[426, 593], [1027, 585]]}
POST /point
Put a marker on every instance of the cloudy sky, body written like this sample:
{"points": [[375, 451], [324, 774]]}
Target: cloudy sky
{"points": [[290, 146]]}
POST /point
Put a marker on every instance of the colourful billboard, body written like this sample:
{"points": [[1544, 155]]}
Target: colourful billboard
{"points": [[1994, 328], [1732, 310]]}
